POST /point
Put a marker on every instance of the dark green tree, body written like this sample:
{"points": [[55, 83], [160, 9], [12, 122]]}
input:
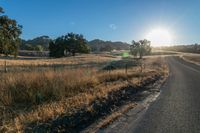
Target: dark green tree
{"points": [[56, 48], [9, 35], [75, 43], [69, 44], [141, 48]]}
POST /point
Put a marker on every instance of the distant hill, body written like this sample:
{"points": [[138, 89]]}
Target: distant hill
{"points": [[42, 43], [39, 43], [100, 45], [194, 48]]}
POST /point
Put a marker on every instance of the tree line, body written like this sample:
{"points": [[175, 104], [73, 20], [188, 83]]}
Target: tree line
{"points": [[41, 43]]}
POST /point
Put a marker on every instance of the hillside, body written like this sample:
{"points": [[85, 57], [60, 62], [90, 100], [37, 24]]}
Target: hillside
{"points": [[194, 48], [39, 43], [100, 45]]}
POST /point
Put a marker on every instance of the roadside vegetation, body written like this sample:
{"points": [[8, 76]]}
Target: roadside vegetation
{"points": [[32, 98]]}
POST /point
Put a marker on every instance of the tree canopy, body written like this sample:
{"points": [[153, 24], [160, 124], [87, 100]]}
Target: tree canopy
{"points": [[141, 48], [9, 34], [69, 44]]}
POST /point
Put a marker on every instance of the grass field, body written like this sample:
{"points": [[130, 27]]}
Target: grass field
{"points": [[44, 93]]}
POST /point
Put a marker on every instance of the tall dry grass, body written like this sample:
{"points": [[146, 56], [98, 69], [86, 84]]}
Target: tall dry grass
{"points": [[35, 87]]}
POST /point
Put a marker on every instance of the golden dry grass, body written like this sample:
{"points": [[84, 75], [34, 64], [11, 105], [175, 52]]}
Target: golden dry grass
{"points": [[81, 59], [34, 96]]}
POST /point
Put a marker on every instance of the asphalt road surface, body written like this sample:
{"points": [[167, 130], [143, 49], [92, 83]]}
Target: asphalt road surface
{"points": [[177, 109]]}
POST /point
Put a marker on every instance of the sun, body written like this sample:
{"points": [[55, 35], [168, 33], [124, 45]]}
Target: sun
{"points": [[159, 37]]}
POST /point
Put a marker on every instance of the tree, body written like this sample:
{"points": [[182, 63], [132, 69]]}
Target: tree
{"points": [[76, 43], [70, 44], [9, 35], [56, 48], [141, 48], [134, 48]]}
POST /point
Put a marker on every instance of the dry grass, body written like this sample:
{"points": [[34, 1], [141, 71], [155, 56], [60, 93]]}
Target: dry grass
{"points": [[111, 118], [29, 87], [29, 97], [81, 59], [192, 58]]}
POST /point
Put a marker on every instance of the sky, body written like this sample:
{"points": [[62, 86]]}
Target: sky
{"points": [[115, 20]]}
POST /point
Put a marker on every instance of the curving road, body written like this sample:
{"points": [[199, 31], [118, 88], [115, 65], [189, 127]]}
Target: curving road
{"points": [[177, 109]]}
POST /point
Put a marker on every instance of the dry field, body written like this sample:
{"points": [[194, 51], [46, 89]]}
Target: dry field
{"points": [[65, 99], [193, 58], [81, 59]]}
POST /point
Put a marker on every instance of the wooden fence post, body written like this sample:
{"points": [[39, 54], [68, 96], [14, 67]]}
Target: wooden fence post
{"points": [[5, 66]]}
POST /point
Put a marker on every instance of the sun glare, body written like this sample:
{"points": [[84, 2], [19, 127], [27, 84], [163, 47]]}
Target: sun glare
{"points": [[159, 37]]}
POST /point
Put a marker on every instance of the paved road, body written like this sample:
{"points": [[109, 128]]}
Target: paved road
{"points": [[177, 109]]}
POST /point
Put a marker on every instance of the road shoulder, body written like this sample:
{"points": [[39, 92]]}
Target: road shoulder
{"points": [[142, 101]]}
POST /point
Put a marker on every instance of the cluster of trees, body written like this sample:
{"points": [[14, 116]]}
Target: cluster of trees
{"points": [[69, 44], [9, 35], [141, 48]]}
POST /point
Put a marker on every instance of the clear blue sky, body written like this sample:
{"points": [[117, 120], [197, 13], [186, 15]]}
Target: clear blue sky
{"points": [[116, 20]]}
